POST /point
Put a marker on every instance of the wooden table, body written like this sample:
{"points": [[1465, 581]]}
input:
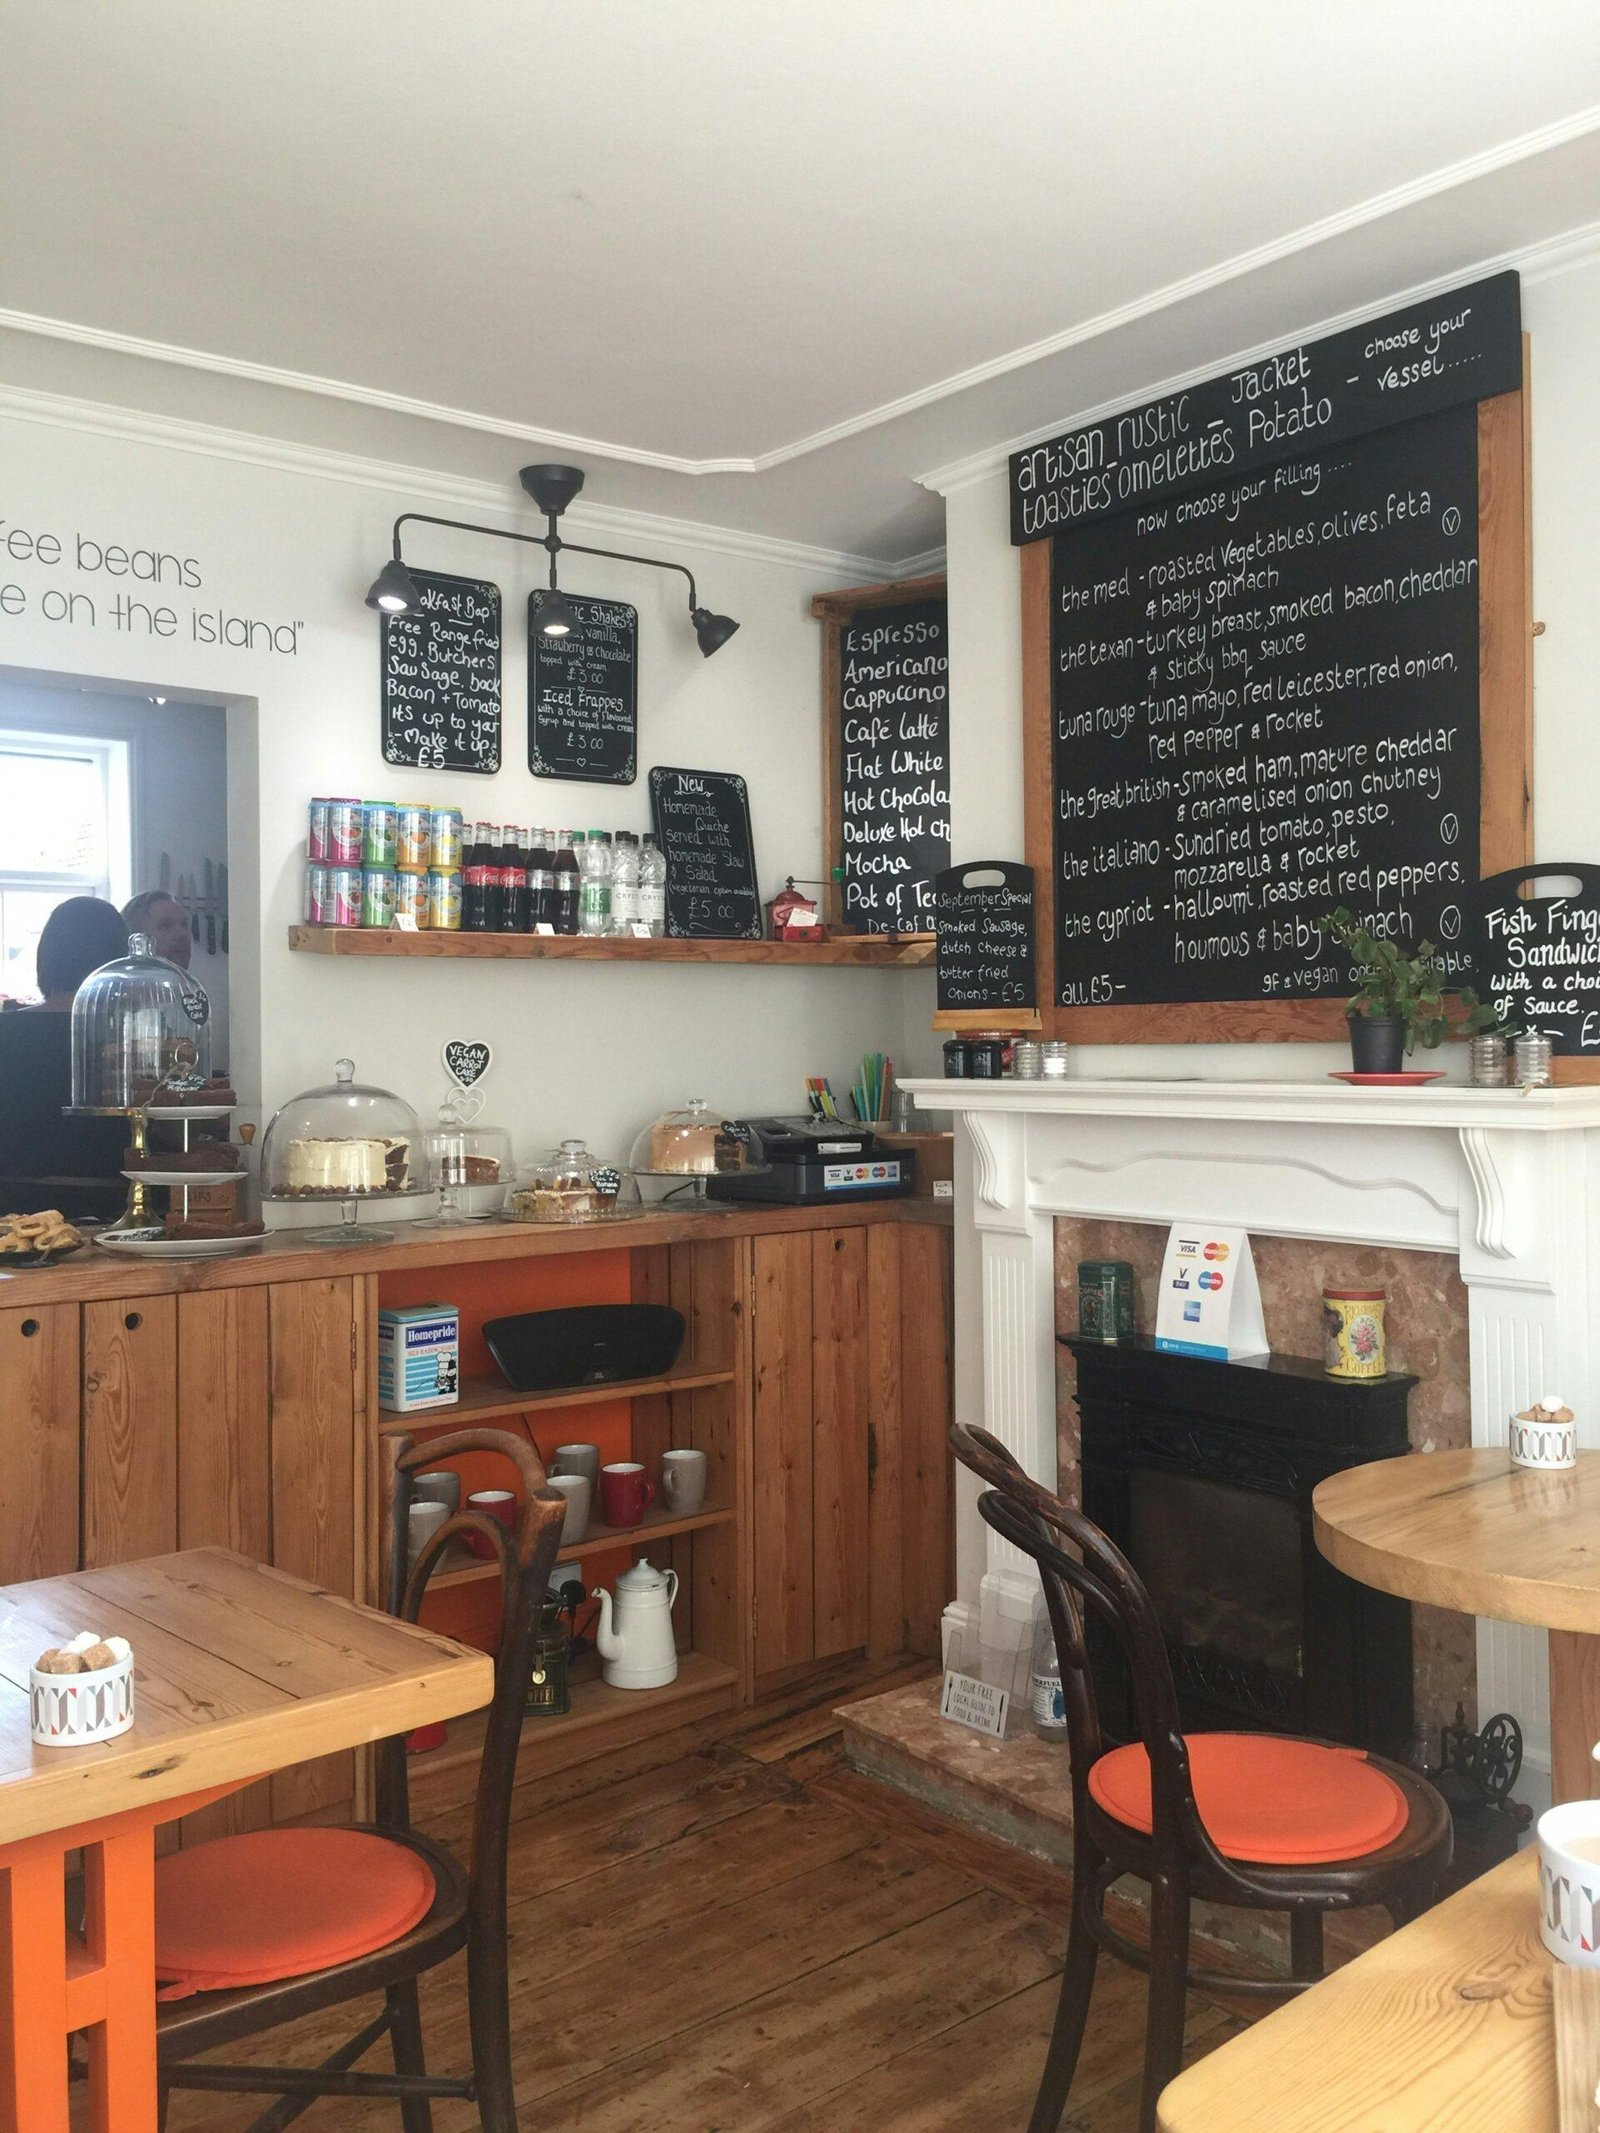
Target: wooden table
{"points": [[238, 1670], [1469, 1530]]}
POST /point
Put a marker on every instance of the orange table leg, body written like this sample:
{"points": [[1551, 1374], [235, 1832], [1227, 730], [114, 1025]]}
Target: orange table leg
{"points": [[33, 1992]]}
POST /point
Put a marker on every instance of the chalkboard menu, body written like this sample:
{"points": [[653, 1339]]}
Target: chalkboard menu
{"points": [[441, 677], [583, 695], [1265, 704], [702, 819], [1461, 347], [1539, 956], [985, 957], [894, 765]]}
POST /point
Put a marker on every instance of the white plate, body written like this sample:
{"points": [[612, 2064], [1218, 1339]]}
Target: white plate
{"points": [[159, 1111], [186, 1177], [149, 1244]]}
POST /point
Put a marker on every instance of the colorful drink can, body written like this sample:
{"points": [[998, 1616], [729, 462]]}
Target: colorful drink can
{"points": [[316, 909], [342, 905], [411, 898], [342, 841], [444, 838], [378, 833], [413, 839], [377, 895], [317, 833], [444, 902]]}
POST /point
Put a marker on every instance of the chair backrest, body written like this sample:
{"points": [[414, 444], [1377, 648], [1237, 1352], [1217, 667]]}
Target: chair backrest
{"points": [[526, 1554], [1098, 1577]]}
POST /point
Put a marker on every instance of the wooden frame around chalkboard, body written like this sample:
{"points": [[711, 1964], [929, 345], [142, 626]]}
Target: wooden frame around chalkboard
{"points": [[1505, 731], [834, 610]]}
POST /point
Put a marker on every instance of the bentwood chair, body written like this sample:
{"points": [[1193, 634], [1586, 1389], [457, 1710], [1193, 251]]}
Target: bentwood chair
{"points": [[1259, 1820], [263, 1928]]}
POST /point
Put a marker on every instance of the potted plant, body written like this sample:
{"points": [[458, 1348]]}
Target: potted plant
{"points": [[1399, 1001]]}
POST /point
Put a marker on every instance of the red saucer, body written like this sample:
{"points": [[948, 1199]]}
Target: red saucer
{"points": [[1389, 1081]]}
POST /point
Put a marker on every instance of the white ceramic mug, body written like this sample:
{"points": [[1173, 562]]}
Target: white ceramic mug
{"points": [[683, 1482], [1547, 1446], [1569, 1884], [439, 1485], [575, 1488], [578, 1459], [425, 1520]]}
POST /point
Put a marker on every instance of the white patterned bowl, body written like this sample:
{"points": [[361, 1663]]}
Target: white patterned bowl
{"points": [[1547, 1446], [1569, 1887], [72, 1710]]}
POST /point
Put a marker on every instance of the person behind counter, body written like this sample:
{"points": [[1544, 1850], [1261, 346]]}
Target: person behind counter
{"points": [[46, 1158], [159, 913]]}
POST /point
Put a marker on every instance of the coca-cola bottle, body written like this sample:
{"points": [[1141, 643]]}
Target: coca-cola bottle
{"points": [[565, 917], [514, 880], [477, 908], [541, 881]]}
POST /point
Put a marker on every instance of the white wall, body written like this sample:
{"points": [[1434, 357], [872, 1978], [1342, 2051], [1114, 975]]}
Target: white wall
{"points": [[1561, 312], [292, 542]]}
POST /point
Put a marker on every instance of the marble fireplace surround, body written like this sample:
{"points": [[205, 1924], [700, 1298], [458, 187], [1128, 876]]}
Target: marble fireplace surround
{"points": [[1501, 1179]]}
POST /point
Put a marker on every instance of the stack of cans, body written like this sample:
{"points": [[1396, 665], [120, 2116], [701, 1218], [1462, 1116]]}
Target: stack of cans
{"points": [[369, 861]]}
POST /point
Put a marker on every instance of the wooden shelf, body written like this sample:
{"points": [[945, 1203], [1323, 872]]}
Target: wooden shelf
{"points": [[484, 1398], [854, 951], [657, 1524]]}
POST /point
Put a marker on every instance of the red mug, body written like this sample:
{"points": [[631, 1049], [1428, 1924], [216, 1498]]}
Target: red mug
{"points": [[625, 1492], [491, 1503]]}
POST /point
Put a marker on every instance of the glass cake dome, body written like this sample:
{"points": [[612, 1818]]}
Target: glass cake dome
{"points": [[696, 1143], [346, 1142], [136, 1022], [472, 1163], [568, 1184]]}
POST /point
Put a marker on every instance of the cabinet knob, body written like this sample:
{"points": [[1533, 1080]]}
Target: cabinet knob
{"points": [[30, 1327]]}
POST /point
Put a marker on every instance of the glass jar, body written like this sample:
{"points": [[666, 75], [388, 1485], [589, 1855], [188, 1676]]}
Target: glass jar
{"points": [[567, 1184], [625, 883], [1049, 1710], [594, 883], [346, 1142], [472, 1165], [653, 887], [138, 1022]]}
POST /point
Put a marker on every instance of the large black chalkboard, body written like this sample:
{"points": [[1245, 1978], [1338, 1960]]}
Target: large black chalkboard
{"points": [[583, 695], [1539, 956], [441, 677], [985, 957], [702, 819], [1450, 351], [894, 765], [1265, 702]]}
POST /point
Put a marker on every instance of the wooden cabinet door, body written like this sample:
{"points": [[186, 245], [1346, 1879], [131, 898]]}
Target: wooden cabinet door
{"points": [[39, 1409], [840, 1367], [130, 1429], [782, 1341]]}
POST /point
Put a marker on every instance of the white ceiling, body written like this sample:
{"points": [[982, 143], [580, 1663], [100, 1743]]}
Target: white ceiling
{"points": [[755, 262]]}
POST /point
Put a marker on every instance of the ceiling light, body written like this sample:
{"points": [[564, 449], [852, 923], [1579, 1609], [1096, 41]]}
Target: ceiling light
{"points": [[554, 616], [394, 590], [552, 487], [712, 630]]}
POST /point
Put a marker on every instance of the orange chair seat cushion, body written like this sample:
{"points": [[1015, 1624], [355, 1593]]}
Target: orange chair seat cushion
{"points": [[1279, 1802], [279, 1903]]}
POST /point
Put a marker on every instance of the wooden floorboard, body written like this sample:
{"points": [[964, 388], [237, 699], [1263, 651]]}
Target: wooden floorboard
{"points": [[727, 1931]]}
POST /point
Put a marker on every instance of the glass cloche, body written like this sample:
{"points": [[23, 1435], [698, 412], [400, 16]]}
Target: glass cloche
{"points": [[346, 1142], [136, 1022], [568, 1184], [696, 1143], [472, 1164]]}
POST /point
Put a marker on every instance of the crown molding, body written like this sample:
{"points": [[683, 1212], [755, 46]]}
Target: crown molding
{"points": [[1536, 264], [1448, 178], [422, 485]]}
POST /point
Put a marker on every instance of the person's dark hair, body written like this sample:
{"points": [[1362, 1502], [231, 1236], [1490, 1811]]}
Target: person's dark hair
{"points": [[79, 935], [136, 914]]}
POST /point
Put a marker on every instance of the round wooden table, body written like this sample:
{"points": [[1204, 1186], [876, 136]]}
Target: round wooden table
{"points": [[1469, 1530]]}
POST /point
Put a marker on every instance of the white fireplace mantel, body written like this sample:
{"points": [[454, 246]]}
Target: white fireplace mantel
{"points": [[1499, 1178]]}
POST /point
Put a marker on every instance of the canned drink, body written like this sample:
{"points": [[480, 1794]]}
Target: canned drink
{"points": [[317, 833], [411, 898], [377, 895], [413, 837], [342, 902], [444, 839], [342, 843], [317, 894], [378, 833], [444, 902]]}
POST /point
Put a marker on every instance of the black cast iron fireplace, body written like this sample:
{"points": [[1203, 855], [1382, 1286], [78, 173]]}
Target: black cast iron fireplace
{"points": [[1202, 1474]]}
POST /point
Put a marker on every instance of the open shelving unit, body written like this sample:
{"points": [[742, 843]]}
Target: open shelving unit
{"points": [[487, 1399], [856, 951]]}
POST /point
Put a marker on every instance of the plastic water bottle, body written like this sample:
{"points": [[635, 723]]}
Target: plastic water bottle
{"points": [[594, 891], [653, 887], [625, 883]]}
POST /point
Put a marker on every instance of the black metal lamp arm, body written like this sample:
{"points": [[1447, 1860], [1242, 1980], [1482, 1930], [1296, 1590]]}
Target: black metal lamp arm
{"points": [[551, 541], [615, 555]]}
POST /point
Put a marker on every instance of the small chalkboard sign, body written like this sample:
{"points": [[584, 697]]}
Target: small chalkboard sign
{"points": [[702, 819], [983, 913], [1538, 956], [583, 695], [440, 664]]}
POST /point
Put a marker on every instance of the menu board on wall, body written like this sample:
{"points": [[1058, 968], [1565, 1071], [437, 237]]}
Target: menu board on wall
{"points": [[894, 765], [583, 695], [702, 820], [1265, 704], [985, 957], [440, 665]]}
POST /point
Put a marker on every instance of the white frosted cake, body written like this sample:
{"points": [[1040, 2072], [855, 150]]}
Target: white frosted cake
{"points": [[338, 1168]]}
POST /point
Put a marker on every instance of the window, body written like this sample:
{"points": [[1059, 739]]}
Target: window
{"points": [[66, 829]]}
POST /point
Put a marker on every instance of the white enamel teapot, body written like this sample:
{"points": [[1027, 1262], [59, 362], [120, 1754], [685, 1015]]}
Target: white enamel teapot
{"points": [[635, 1633]]}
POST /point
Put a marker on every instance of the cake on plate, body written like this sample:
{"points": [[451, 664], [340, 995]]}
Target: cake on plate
{"points": [[341, 1169]]}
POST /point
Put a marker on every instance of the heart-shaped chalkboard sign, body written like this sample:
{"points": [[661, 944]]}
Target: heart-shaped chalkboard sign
{"points": [[466, 1063]]}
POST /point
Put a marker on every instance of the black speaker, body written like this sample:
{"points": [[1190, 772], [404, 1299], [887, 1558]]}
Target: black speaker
{"points": [[591, 1344]]}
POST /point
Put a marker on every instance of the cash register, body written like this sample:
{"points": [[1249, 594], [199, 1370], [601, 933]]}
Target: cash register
{"points": [[813, 1162]]}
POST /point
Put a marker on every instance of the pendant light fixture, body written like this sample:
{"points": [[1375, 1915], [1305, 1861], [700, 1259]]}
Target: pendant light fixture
{"points": [[552, 487]]}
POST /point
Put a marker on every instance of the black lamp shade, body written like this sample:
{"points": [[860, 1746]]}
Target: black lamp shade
{"points": [[394, 589], [712, 630], [553, 614]]}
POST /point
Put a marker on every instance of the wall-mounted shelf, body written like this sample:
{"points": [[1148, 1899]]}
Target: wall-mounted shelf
{"points": [[853, 951], [484, 1398], [658, 1524]]}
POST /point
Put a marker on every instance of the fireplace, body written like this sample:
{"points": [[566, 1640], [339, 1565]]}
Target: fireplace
{"points": [[1202, 1474]]}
